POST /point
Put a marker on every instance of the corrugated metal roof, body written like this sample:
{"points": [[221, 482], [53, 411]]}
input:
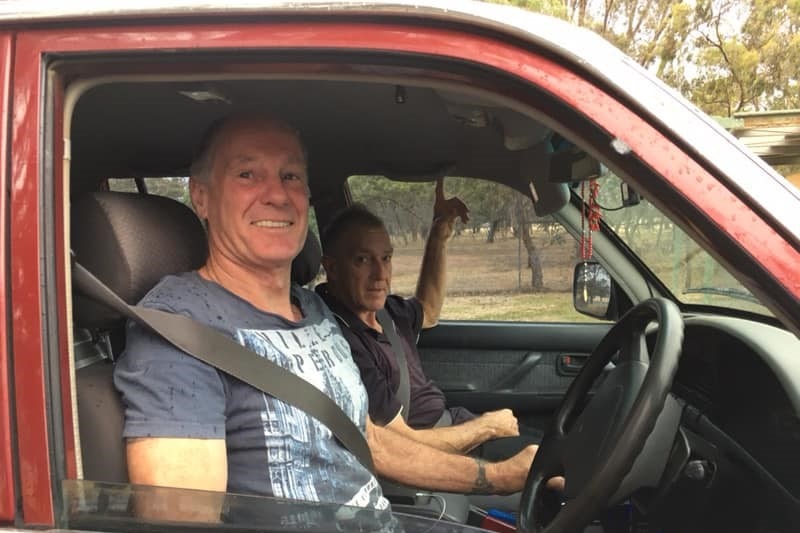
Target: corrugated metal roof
{"points": [[772, 135], [777, 145]]}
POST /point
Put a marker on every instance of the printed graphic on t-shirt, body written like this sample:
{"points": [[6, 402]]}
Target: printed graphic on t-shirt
{"points": [[293, 440]]}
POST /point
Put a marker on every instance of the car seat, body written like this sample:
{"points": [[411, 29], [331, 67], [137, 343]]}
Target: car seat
{"points": [[129, 241]]}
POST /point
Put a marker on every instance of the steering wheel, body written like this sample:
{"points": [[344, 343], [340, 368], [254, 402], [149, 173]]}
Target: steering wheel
{"points": [[595, 449]]}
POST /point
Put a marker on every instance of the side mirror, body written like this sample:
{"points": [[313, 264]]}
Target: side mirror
{"points": [[591, 289]]}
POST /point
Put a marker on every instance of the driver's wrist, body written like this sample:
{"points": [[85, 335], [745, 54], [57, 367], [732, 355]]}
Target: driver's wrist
{"points": [[441, 228], [499, 477], [487, 429]]}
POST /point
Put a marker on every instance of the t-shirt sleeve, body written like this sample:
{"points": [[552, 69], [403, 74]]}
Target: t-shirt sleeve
{"points": [[409, 309], [167, 393], [384, 406]]}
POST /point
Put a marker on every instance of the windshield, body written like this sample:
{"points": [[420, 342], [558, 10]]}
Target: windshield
{"points": [[688, 271]]}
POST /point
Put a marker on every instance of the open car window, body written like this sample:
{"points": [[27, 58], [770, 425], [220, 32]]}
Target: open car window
{"points": [[505, 264]]}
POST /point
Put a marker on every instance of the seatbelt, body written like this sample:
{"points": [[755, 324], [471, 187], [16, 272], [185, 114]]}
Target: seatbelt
{"points": [[403, 388], [445, 420], [222, 352]]}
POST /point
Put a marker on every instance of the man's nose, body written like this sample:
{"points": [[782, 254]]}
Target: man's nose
{"points": [[272, 190], [381, 269]]}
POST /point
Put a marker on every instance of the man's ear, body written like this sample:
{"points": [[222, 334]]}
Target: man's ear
{"points": [[329, 264], [198, 191]]}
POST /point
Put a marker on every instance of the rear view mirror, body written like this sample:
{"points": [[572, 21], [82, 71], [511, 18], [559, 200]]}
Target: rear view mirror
{"points": [[591, 289]]}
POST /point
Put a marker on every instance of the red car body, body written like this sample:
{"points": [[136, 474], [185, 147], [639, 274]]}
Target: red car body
{"points": [[740, 209]]}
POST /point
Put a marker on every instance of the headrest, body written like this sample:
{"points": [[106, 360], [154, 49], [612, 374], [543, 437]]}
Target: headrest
{"points": [[130, 241], [305, 266]]}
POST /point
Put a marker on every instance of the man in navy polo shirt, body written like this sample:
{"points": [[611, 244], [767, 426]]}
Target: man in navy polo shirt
{"points": [[358, 262]]}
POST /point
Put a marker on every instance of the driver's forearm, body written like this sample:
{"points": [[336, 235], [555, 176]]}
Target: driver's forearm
{"points": [[413, 463]]}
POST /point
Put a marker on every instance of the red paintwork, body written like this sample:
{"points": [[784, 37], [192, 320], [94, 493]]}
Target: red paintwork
{"points": [[25, 274], [730, 213], [7, 494]]}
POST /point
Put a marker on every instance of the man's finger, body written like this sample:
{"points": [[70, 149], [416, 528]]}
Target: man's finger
{"points": [[440, 188]]}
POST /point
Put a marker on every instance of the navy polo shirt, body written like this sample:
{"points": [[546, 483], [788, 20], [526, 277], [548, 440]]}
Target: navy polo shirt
{"points": [[372, 353]]}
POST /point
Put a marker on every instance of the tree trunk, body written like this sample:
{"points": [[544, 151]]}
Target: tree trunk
{"points": [[492, 231], [534, 258]]}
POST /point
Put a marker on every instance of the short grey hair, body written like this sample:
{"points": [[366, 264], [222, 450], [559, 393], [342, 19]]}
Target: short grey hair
{"points": [[354, 216], [203, 162]]}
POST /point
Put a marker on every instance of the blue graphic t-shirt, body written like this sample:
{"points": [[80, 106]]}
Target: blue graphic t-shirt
{"points": [[273, 448]]}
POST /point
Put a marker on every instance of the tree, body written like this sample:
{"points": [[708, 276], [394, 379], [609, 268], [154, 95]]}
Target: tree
{"points": [[726, 56], [488, 203], [748, 57], [522, 228], [396, 203]]}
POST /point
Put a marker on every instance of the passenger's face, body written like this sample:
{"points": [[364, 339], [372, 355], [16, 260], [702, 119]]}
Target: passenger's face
{"points": [[362, 270], [256, 199]]}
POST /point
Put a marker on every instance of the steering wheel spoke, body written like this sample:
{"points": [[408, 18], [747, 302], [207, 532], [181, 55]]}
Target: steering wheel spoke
{"points": [[548, 463]]}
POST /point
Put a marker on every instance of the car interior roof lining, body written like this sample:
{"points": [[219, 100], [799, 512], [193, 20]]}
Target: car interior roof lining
{"points": [[433, 138]]}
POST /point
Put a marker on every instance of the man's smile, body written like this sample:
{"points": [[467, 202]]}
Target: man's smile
{"points": [[272, 223]]}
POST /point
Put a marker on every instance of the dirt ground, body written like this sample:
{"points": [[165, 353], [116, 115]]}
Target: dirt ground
{"points": [[477, 267], [491, 281]]}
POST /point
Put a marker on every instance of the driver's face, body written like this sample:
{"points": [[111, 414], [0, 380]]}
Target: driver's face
{"points": [[362, 271]]}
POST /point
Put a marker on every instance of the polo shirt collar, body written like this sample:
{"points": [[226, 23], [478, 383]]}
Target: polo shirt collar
{"points": [[342, 312]]}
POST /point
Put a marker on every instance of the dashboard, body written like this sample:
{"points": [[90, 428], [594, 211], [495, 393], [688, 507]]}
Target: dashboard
{"points": [[735, 465]]}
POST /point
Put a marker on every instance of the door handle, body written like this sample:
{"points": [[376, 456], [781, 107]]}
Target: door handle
{"points": [[570, 364]]}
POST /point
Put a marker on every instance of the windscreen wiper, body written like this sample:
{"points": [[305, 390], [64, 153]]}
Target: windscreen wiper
{"points": [[730, 292]]}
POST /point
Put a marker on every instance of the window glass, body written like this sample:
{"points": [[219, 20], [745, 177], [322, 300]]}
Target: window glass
{"points": [[688, 271], [96, 506], [504, 264], [176, 188]]}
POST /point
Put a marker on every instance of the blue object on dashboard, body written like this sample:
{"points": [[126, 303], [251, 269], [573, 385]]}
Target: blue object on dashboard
{"points": [[505, 516]]}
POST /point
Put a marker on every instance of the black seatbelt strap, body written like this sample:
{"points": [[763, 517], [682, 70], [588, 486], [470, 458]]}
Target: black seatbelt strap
{"points": [[404, 387], [222, 352]]}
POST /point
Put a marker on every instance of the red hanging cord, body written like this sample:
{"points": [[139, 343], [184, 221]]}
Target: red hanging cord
{"points": [[591, 210]]}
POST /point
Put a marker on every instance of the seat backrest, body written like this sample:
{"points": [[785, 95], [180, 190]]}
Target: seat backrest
{"points": [[130, 241]]}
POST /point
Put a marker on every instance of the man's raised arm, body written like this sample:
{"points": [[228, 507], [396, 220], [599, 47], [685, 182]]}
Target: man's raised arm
{"points": [[431, 283]]}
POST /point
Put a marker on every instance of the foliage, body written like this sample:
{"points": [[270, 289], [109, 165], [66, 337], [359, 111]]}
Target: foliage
{"points": [[726, 56], [747, 57], [494, 209]]}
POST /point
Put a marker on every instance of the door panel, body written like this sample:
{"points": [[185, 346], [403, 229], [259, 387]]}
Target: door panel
{"points": [[523, 366]]}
